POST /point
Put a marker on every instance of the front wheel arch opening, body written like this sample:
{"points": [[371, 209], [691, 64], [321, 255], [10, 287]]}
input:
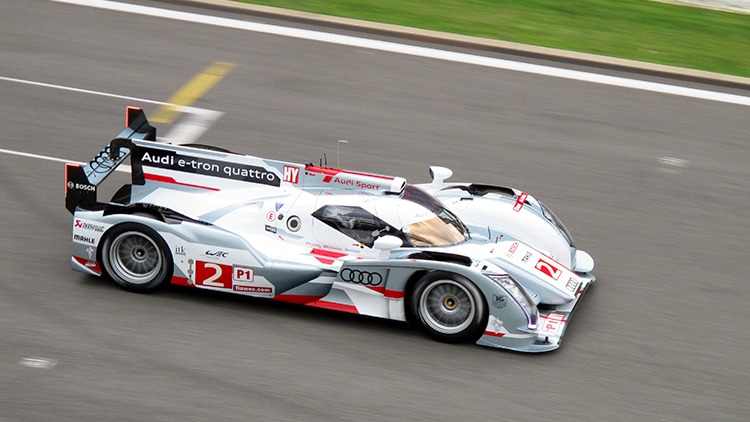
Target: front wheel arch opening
{"points": [[447, 307]]}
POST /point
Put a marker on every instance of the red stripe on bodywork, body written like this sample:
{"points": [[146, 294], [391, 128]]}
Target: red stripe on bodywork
{"points": [[394, 294], [565, 316], [380, 289], [556, 262], [334, 172], [493, 334], [166, 179], [181, 281], [298, 299], [329, 254], [324, 260], [335, 306], [92, 265], [127, 114], [520, 201]]}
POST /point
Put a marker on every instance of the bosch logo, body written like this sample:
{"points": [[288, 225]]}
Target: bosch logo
{"points": [[81, 186], [361, 277]]}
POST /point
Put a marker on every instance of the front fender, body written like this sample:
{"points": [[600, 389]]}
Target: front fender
{"points": [[506, 316]]}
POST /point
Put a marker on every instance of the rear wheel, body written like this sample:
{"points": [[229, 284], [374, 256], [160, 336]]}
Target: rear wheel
{"points": [[136, 257], [449, 307]]}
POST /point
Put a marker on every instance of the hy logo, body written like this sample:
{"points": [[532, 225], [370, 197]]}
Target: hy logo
{"points": [[291, 174]]}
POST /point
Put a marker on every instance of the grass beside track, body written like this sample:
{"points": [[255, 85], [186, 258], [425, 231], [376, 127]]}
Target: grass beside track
{"points": [[631, 29]]}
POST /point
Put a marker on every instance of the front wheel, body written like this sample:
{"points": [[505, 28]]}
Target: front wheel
{"points": [[449, 307], [136, 257]]}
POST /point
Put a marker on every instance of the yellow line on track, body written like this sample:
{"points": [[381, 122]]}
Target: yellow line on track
{"points": [[191, 92]]}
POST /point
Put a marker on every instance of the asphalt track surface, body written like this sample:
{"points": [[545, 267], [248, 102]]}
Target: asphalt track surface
{"points": [[661, 336]]}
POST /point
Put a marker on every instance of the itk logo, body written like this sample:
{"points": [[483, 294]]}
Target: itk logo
{"points": [[291, 174]]}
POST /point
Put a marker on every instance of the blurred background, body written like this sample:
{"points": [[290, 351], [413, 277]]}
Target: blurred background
{"points": [[647, 167]]}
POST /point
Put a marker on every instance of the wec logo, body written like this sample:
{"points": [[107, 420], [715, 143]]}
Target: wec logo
{"points": [[217, 254]]}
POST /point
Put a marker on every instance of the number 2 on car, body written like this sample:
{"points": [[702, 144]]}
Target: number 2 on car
{"points": [[210, 274]]}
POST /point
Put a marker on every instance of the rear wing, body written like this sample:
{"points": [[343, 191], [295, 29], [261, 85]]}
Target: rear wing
{"points": [[191, 167], [81, 181]]}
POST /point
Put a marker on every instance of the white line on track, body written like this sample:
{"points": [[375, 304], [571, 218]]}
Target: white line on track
{"points": [[41, 157], [415, 51], [83, 91], [123, 167], [187, 131]]}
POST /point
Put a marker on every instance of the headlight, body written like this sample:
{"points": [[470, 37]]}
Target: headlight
{"points": [[549, 215], [519, 294]]}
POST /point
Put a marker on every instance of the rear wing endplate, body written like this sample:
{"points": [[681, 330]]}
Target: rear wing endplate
{"points": [[81, 181]]}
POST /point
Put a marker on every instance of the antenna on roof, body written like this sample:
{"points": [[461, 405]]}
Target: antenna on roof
{"points": [[341, 141]]}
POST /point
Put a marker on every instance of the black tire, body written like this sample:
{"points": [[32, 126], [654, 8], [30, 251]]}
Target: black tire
{"points": [[448, 307], [136, 257]]}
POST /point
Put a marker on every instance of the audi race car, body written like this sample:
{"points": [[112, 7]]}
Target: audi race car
{"points": [[463, 261]]}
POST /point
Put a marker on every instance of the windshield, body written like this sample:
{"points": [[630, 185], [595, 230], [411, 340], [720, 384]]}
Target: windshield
{"points": [[433, 232], [444, 229]]}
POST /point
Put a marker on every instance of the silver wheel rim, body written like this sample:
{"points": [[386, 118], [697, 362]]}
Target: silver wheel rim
{"points": [[135, 257], [447, 306]]}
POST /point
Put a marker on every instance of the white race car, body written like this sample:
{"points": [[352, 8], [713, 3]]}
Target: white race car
{"points": [[465, 262]]}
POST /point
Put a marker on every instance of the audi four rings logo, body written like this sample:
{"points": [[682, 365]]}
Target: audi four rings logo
{"points": [[361, 277]]}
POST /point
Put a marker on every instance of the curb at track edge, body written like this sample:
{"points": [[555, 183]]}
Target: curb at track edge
{"points": [[478, 43]]}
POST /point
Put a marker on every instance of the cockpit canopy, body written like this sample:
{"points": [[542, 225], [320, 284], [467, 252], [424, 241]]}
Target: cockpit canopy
{"points": [[415, 217]]}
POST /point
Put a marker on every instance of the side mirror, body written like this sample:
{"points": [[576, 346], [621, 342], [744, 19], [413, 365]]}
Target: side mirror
{"points": [[387, 243], [439, 174]]}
